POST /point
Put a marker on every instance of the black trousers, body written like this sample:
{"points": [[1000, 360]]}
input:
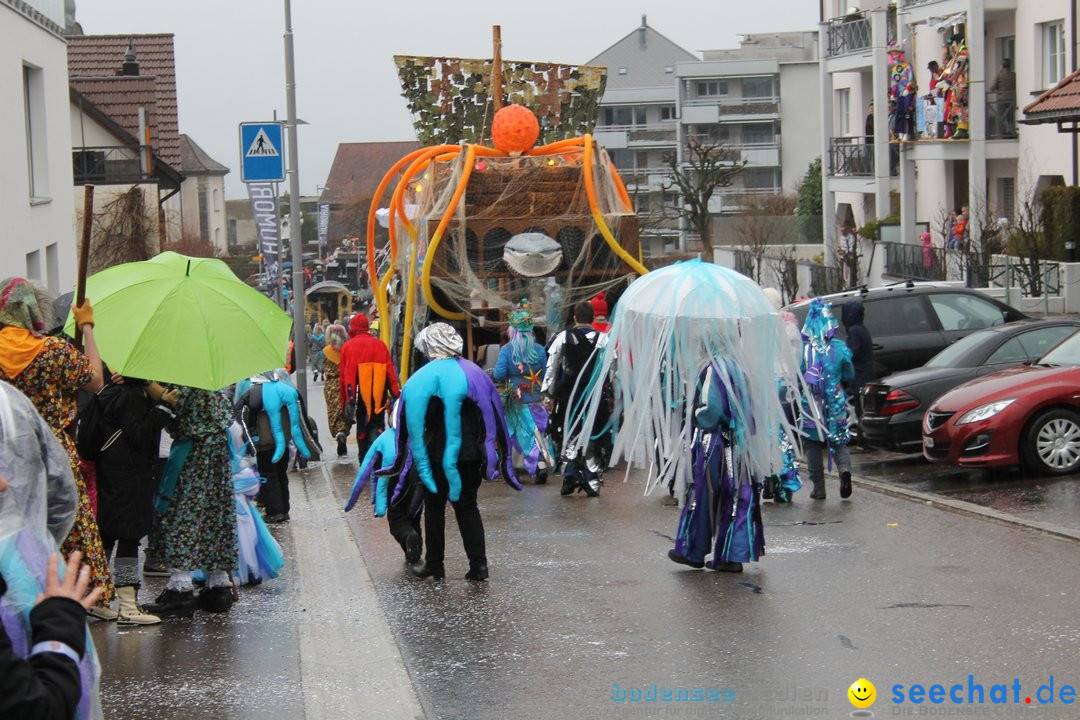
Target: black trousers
{"points": [[465, 509], [404, 515], [367, 430], [274, 494]]}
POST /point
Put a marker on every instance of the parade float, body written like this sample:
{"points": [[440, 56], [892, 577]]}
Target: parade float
{"points": [[510, 199]]}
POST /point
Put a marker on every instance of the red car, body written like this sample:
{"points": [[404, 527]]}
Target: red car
{"points": [[1027, 415]]}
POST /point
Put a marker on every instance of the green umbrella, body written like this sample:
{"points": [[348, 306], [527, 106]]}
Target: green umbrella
{"points": [[184, 320]]}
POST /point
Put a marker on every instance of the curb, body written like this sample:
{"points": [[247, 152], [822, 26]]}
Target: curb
{"points": [[962, 507]]}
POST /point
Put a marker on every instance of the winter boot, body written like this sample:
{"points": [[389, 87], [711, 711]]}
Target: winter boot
{"points": [[103, 612], [478, 572], [342, 448], [215, 599], [845, 483], [429, 569], [130, 612], [178, 603]]}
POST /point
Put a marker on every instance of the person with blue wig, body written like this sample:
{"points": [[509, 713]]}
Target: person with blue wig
{"points": [[520, 373]]}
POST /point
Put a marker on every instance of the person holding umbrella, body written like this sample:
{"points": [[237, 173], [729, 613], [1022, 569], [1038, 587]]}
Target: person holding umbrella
{"points": [[50, 372]]}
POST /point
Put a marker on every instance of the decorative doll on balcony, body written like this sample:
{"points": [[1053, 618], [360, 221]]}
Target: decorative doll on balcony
{"points": [[902, 90]]}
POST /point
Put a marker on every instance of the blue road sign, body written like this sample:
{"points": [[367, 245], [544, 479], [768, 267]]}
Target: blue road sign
{"points": [[262, 152]]}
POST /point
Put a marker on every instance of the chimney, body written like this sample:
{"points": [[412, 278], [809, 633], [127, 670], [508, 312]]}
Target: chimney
{"points": [[641, 31], [131, 63]]}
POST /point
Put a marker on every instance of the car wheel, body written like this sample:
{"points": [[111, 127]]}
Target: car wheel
{"points": [[1052, 442]]}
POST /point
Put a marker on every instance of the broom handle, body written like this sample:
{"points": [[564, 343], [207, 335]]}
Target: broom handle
{"points": [[84, 255]]}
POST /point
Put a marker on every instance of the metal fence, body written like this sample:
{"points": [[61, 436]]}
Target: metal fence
{"points": [[825, 280], [107, 165], [915, 262], [1034, 278], [1000, 115], [854, 157]]}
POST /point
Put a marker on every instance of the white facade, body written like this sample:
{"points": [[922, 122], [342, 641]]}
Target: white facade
{"points": [[992, 170], [36, 134], [200, 198]]}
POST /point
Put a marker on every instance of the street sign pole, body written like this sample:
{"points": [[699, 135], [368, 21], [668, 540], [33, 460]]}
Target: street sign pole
{"points": [[295, 239]]}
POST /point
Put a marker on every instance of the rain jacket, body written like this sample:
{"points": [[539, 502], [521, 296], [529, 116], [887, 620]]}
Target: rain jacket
{"points": [[367, 373], [859, 343]]}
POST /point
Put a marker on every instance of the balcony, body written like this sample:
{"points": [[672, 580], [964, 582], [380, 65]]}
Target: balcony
{"points": [[849, 34], [854, 157], [652, 134], [709, 110], [116, 165]]}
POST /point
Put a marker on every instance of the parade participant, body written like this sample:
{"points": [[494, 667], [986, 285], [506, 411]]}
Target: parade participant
{"points": [[724, 511], [339, 423], [50, 372], [600, 313], [571, 359], [399, 497], [903, 90], [196, 528], [861, 346], [784, 482], [48, 667], [270, 408], [520, 369], [132, 415], [696, 384], [258, 553], [368, 381], [316, 343], [826, 365], [450, 410]]}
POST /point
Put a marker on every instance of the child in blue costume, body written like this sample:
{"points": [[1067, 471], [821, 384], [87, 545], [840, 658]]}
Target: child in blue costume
{"points": [[520, 373], [826, 365]]}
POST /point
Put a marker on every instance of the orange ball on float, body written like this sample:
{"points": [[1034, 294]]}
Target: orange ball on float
{"points": [[514, 129]]}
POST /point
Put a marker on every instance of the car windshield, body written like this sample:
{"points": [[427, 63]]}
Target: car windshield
{"points": [[1067, 353], [950, 356]]}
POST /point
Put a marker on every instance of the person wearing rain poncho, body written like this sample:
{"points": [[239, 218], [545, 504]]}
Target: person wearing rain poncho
{"points": [[451, 424], [258, 553], [48, 666], [520, 372], [826, 365]]}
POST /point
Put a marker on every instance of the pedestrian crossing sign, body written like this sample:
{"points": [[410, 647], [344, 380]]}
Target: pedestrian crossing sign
{"points": [[262, 157]]}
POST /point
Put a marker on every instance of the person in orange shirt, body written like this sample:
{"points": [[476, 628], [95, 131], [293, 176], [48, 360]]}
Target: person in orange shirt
{"points": [[368, 381]]}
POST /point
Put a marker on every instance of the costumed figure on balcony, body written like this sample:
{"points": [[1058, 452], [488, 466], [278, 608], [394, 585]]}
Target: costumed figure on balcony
{"points": [[954, 80], [519, 372], [903, 90], [694, 348]]}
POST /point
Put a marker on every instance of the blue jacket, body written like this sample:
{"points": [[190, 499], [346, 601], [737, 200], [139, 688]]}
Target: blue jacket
{"points": [[859, 343]]}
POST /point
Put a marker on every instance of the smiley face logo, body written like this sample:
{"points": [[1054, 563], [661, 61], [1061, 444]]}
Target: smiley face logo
{"points": [[862, 693]]}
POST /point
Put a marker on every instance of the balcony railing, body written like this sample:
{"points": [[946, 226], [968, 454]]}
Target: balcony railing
{"points": [[854, 157], [849, 34], [663, 132], [117, 165], [739, 106], [1000, 115], [915, 262]]}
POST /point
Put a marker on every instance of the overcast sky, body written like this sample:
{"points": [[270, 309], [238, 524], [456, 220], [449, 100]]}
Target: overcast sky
{"points": [[230, 65]]}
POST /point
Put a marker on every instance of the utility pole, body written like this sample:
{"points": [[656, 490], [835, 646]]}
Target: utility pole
{"points": [[296, 243]]}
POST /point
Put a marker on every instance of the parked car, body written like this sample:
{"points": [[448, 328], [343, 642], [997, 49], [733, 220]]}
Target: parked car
{"points": [[910, 323], [1027, 415], [893, 407]]}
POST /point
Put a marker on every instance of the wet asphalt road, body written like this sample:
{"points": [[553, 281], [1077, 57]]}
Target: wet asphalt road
{"points": [[583, 599]]}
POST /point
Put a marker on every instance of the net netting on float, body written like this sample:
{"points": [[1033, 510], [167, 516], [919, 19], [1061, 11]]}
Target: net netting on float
{"points": [[478, 231]]}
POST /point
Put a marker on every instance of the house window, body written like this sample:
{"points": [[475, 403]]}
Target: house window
{"points": [[639, 116], [52, 266], [217, 200], [231, 230], [1007, 196], [618, 115], [623, 159], [843, 102], [33, 265], [711, 88], [217, 235], [758, 134], [641, 159], [759, 179], [757, 87], [1053, 41], [667, 112], [34, 115]]}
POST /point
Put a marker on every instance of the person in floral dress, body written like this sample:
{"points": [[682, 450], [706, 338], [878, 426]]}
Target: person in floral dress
{"points": [[50, 371], [196, 528], [336, 336]]}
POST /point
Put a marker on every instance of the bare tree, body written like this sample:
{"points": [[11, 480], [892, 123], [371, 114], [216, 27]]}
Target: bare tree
{"points": [[786, 270], [987, 235], [124, 230], [765, 222], [1028, 240], [704, 168], [193, 245]]}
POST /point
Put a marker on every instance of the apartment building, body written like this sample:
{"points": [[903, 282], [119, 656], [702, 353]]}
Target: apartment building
{"points": [[660, 97], [1015, 51]]}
